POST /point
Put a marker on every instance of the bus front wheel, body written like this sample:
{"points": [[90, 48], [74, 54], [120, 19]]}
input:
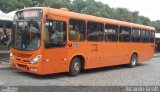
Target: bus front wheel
{"points": [[133, 60], [75, 67]]}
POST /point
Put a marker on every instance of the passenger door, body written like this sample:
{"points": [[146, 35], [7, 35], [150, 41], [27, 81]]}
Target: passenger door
{"points": [[55, 42]]}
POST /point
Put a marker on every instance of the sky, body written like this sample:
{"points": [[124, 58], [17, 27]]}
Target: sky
{"points": [[147, 8]]}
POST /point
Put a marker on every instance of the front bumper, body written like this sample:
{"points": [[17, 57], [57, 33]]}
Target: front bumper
{"points": [[26, 67]]}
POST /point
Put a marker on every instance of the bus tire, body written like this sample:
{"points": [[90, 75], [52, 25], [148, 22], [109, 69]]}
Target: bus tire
{"points": [[133, 60], [75, 67]]}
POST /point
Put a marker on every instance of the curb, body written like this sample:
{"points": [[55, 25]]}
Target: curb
{"points": [[156, 55], [5, 66], [3, 62]]}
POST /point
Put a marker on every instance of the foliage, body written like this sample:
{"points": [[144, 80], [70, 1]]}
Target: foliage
{"points": [[82, 6], [157, 25], [10, 5]]}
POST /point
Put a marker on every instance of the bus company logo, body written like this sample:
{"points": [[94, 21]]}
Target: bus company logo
{"points": [[75, 45]]}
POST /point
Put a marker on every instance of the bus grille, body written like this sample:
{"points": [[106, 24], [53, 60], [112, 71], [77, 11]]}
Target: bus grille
{"points": [[23, 61], [22, 55], [22, 66]]}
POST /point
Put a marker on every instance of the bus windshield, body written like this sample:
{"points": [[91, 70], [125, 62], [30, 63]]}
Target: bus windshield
{"points": [[27, 29], [26, 35]]}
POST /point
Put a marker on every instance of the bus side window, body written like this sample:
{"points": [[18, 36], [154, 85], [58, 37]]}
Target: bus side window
{"points": [[77, 30], [95, 31], [145, 36], [110, 33], [55, 33], [152, 36], [124, 34], [136, 35]]}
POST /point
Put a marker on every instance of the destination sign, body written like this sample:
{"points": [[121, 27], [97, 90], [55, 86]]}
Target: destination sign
{"points": [[29, 14]]}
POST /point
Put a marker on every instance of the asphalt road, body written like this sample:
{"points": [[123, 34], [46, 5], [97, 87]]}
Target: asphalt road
{"points": [[145, 74]]}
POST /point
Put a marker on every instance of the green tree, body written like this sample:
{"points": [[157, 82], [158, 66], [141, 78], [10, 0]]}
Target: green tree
{"points": [[156, 24], [78, 5], [90, 7], [57, 3], [11, 5], [136, 18], [145, 20]]}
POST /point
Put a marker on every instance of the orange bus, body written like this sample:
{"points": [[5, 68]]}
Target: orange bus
{"points": [[47, 40]]}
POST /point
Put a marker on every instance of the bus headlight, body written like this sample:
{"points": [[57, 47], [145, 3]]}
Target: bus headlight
{"points": [[36, 59], [11, 56]]}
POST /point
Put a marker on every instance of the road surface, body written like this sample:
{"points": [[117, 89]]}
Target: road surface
{"points": [[145, 74]]}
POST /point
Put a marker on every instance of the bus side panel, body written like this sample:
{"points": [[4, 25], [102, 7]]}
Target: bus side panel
{"points": [[94, 55], [144, 52], [92, 51], [109, 55], [151, 50], [136, 48], [123, 53], [77, 49], [54, 61]]}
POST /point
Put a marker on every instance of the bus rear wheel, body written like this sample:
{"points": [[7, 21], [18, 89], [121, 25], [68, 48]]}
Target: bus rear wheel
{"points": [[75, 67], [133, 60]]}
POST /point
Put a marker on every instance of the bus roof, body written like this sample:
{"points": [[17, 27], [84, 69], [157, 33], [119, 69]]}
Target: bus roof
{"points": [[74, 15]]}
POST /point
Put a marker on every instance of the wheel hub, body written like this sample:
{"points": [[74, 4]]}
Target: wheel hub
{"points": [[76, 66]]}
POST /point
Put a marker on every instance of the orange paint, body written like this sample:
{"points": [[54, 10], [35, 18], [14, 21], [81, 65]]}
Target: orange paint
{"points": [[95, 54]]}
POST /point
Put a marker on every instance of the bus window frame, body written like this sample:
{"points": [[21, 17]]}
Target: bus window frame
{"points": [[44, 33], [117, 33], [146, 42], [139, 36], [85, 29], [151, 31], [121, 26], [103, 26]]}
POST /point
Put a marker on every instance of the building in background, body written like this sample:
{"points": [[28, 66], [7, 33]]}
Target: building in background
{"points": [[6, 27]]}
